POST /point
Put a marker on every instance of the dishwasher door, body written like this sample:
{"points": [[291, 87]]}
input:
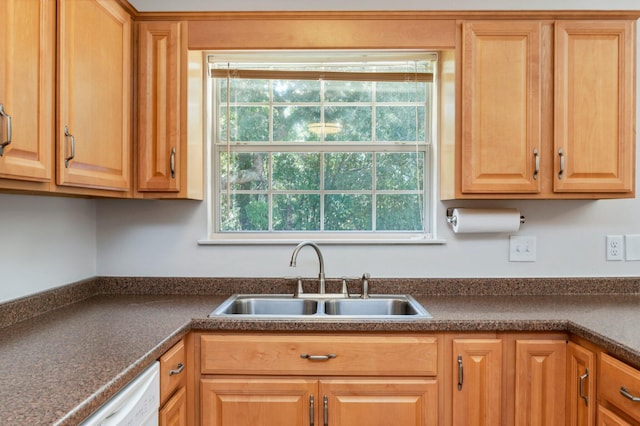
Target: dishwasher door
{"points": [[137, 404]]}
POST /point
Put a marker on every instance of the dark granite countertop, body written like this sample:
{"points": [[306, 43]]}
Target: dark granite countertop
{"points": [[62, 365]]}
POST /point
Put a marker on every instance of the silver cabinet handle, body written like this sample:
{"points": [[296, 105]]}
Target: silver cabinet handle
{"points": [[177, 370], [325, 413], [172, 162], [311, 410], [627, 395], [536, 156], [318, 357], [460, 372], [562, 157], [582, 395], [68, 159], [7, 118]]}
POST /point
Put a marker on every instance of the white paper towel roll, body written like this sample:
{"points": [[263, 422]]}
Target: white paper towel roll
{"points": [[485, 220]]}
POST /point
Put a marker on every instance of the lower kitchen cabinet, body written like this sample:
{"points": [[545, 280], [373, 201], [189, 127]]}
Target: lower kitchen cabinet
{"points": [[306, 401], [618, 392], [275, 379], [173, 386], [581, 384]]}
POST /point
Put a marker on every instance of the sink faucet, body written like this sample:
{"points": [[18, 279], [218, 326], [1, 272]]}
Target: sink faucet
{"points": [[294, 255]]}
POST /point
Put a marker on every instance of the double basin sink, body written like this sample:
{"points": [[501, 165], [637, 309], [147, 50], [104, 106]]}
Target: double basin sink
{"points": [[321, 306]]}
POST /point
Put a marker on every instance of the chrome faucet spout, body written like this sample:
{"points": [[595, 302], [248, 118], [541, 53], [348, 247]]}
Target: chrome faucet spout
{"points": [[294, 256]]}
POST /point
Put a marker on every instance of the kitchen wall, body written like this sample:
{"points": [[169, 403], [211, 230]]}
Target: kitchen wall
{"points": [[46, 242]]}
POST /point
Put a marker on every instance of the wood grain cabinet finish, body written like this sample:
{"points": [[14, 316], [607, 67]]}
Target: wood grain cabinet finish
{"points": [[609, 418], [94, 95], [547, 110], [476, 367], [300, 380], [594, 140], [27, 77], [501, 108], [618, 385], [581, 400], [173, 386]]}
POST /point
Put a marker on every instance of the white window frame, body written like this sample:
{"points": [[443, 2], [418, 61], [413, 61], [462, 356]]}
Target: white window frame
{"points": [[341, 237]]}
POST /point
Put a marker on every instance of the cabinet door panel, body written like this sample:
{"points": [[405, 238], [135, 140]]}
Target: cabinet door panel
{"points": [[27, 48], [609, 418], [477, 367], [380, 402], [581, 395], [174, 412], [540, 382], [501, 109], [257, 402], [594, 106], [94, 96]]}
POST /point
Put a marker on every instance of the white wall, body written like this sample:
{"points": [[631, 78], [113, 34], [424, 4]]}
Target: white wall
{"points": [[159, 238], [45, 242]]}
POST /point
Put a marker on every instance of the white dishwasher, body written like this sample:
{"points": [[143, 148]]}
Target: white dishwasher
{"points": [[136, 404]]}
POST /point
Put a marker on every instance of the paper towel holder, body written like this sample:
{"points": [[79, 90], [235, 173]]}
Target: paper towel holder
{"points": [[452, 220]]}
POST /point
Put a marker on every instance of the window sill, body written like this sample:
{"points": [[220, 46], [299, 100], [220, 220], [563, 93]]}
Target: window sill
{"points": [[320, 240]]}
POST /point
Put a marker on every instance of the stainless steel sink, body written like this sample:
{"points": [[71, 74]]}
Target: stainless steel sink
{"points": [[320, 306], [374, 306], [281, 305]]}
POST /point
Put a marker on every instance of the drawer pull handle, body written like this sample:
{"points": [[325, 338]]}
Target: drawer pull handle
{"points": [[312, 413], [325, 411], [582, 395], [536, 171], [318, 357], [178, 370], [172, 162], [627, 395], [68, 159], [460, 372], [561, 171]]}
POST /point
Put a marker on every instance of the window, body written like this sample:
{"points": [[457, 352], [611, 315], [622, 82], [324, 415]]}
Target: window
{"points": [[329, 146]]}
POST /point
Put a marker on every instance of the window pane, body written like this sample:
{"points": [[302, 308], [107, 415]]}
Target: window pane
{"points": [[347, 212], [291, 123], [400, 123], [347, 91], [244, 212], [296, 212], [399, 171], [248, 171], [296, 91], [348, 171], [400, 92], [355, 121], [398, 213], [243, 90], [247, 124], [296, 171]]}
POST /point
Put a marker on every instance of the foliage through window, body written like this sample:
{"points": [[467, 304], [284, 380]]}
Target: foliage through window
{"points": [[336, 146]]}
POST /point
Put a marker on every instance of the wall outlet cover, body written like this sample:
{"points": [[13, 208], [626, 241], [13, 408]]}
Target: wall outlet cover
{"points": [[522, 248], [615, 247], [632, 246]]}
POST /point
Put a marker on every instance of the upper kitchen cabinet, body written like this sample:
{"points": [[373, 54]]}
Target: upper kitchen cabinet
{"points": [[27, 73], [169, 130], [594, 109], [501, 86], [546, 110], [94, 95]]}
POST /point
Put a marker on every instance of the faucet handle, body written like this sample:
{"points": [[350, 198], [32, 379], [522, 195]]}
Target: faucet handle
{"points": [[365, 285], [299, 289], [345, 289]]}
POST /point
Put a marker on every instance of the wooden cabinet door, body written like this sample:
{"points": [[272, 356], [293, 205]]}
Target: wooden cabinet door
{"points": [[378, 402], [477, 371], [581, 386], [27, 72], [501, 107], [161, 102], [94, 95], [594, 106], [174, 412], [540, 382], [258, 401]]}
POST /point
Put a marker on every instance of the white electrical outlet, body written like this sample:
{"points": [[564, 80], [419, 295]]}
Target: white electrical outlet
{"points": [[615, 247], [522, 248]]}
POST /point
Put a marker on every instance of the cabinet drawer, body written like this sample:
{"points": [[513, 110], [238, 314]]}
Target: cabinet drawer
{"points": [[172, 371], [615, 375], [337, 355]]}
